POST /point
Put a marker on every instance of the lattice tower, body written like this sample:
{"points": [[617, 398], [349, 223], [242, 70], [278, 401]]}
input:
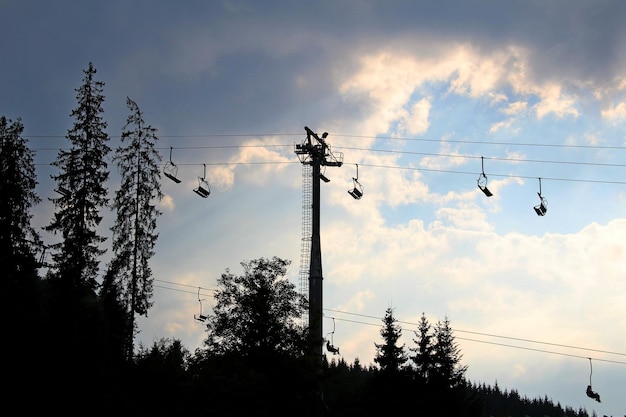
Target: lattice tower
{"points": [[305, 253]]}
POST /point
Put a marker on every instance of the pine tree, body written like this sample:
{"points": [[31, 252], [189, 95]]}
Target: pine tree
{"points": [[448, 369], [134, 233], [423, 358], [82, 191], [389, 356]]}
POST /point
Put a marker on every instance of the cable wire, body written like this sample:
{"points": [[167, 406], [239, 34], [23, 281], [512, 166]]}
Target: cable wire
{"points": [[454, 330]]}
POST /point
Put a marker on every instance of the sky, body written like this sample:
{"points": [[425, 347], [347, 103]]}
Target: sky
{"points": [[419, 99]]}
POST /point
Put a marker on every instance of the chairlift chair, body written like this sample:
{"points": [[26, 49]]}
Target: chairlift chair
{"points": [[590, 393], [482, 180], [63, 191], [324, 177], [171, 170], [329, 343], [542, 208], [200, 317], [357, 191], [203, 189]]}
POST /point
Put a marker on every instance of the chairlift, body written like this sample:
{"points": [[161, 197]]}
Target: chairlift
{"points": [[324, 177], [329, 343], [200, 317], [357, 191], [482, 180], [542, 208], [63, 191], [171, 170], [203, 189], [590, 393]]}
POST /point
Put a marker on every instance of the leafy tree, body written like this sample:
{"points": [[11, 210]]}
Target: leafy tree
{"points": [[256, 314], [81, 188], [423, 358], [255, 345], [389, 356], [129, 275], [447, 355]]}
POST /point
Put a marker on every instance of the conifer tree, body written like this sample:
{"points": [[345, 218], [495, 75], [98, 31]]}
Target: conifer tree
{"points": [[19, 242], [129, 275], [423, 358], [447, 355], [81, 185], [389, 356]]}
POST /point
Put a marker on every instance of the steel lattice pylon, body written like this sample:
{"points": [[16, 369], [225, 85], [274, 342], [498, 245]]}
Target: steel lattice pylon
{"points": [[313, 153], [305, 253]]}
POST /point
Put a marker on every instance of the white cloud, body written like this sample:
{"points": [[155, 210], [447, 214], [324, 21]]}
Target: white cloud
{"points": [[554, 101], [616, 113], [417, 119]]}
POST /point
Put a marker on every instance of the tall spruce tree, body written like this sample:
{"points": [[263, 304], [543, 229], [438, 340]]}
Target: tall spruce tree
{"points": [[390, 357], [81, 185], [20, 244], [129, 277], [423, 358], [448, 370]]}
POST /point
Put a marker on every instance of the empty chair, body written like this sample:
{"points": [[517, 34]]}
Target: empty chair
{"points": [[63, 191], [200, 317], [203, 189], [542, 208], [357, 191], [170, 170]]}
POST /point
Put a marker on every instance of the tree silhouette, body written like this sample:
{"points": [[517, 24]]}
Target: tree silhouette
{"points": [[423, 358], [19, 242], [75, 319], [129, 276], [19, 247], [389, 356], [81, 185], [256, 313], [448, 370], [254, 362]]}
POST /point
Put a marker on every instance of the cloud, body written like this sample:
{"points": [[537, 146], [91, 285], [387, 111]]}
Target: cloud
{"points": [[616, 113], [167, 203]]}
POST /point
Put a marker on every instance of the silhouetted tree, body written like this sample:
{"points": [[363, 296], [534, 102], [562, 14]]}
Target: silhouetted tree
{"points": [[134, 231], [448, 370], [389, 356], [19, 247], [423, 358], [76, 340], [19, 242], [255, 345], [256, 314], [81, 187]]}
